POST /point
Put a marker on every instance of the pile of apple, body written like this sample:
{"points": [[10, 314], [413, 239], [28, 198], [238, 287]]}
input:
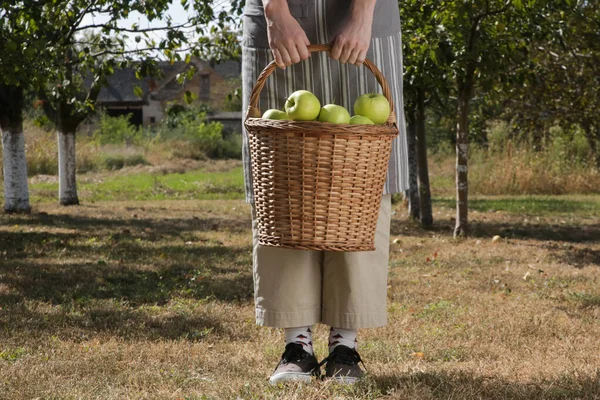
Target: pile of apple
{"points": [[302, 105]]}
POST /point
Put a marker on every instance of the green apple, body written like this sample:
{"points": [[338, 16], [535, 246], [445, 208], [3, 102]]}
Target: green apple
{"points": [[302, 105], [275, 114], [334, 114], [360, 120], [373, 106]]}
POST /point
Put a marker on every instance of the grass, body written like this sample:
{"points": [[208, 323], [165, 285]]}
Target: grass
{"points": [[217, 179], [153, 299], [532, 205]]}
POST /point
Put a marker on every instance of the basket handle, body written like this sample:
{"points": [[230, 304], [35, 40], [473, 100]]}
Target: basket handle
{"points": [[253, 110]]}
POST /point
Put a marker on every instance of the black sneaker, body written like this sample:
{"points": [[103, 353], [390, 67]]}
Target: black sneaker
{"points": [[296, 365], [342, 365]]}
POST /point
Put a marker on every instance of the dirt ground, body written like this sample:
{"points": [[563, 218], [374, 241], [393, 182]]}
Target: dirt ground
{"points": [[153, 300]]}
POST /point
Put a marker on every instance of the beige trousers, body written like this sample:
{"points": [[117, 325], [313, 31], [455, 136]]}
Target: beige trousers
{"points": [[342, 289]]}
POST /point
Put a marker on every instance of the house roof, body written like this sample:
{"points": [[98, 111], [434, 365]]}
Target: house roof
{"points": [[120, 89]]}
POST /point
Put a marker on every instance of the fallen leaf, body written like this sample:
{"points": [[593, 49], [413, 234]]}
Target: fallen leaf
{"points": [[418, 355]]}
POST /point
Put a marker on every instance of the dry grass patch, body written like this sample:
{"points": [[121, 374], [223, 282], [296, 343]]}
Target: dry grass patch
{"points": [[153, 300]]}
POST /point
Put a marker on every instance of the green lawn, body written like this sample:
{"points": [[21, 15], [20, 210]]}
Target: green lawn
{"points": [[192, 185]]}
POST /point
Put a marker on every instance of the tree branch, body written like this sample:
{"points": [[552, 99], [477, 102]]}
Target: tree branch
{"points": [[79, 19], [186, 24], [47, 106], [489, 13], [134, 51]]}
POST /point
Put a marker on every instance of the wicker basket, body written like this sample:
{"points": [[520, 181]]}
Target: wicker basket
{"points": [[318, 186]]}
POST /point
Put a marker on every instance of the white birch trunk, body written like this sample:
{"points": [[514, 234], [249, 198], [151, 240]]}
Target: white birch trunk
{"points": [[67, 183], [16, 188]]}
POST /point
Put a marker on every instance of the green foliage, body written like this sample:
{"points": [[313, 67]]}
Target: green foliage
{"points": [[117, 130], [233, 101], [202, 138], [498, 135], [46, 46], [568, 148], [178, 114]]}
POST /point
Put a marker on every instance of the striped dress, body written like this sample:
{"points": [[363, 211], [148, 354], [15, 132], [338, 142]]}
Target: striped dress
{"points": [[329, 80]]}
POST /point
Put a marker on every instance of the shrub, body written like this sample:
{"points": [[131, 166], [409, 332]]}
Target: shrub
{"points": [[200, 139], [117, 130]]}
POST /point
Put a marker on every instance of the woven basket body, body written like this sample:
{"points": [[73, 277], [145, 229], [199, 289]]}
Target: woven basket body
{"points": [[318, 186]]}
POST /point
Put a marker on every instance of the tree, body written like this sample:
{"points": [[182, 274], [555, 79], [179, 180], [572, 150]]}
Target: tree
{"points": [[562, 83], [481, 42], [73, 59], [424, 80], [19, 46]]}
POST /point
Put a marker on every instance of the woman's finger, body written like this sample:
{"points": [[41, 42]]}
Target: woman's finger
{"points": [[305, 39], [285, 57], [354, 56], [361, 58], [337, 47], [302, 51], [293, 52], [278, 58], [346, 51]]}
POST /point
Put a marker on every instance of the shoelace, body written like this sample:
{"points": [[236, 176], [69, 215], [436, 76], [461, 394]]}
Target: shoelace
{"points": [[293, 352], [343, 355]]}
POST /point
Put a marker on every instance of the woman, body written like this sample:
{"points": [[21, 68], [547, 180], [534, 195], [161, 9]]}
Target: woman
{"points": [[296, 289]]}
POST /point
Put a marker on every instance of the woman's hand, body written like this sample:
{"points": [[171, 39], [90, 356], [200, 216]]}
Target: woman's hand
{"points": [[287, 39], [352, 42]]}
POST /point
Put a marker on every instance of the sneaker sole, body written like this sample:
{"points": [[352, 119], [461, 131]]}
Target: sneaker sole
{"points": [[304, 377], [344, 379]]}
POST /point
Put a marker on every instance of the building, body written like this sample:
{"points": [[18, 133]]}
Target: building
{"points": [[211, 84]]}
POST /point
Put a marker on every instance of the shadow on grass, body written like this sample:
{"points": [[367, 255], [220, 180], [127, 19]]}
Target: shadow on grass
{"points": [[508, 230], [462, 385], [119, 284], [167, 226], [113, 319], [195, 272], [577, 257], [527, 205]]}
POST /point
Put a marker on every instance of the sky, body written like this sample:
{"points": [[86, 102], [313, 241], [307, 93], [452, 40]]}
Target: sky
{"points": [[176, 11]]}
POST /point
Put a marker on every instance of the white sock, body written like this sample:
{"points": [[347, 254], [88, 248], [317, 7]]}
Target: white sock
{"points": [[301, 335], [346, 337]]}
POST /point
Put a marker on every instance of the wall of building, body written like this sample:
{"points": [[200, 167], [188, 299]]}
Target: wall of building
{"points": [[153, 112]]}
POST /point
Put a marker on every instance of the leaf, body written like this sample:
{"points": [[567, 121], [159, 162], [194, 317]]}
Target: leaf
{"points": [[518, 4], [189, 97], [137, 90]]}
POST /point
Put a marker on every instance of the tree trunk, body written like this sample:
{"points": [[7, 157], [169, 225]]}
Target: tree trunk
{"points": [[67, 186], [462, 148], [423, 170], [413, 186], [16, 188]]}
